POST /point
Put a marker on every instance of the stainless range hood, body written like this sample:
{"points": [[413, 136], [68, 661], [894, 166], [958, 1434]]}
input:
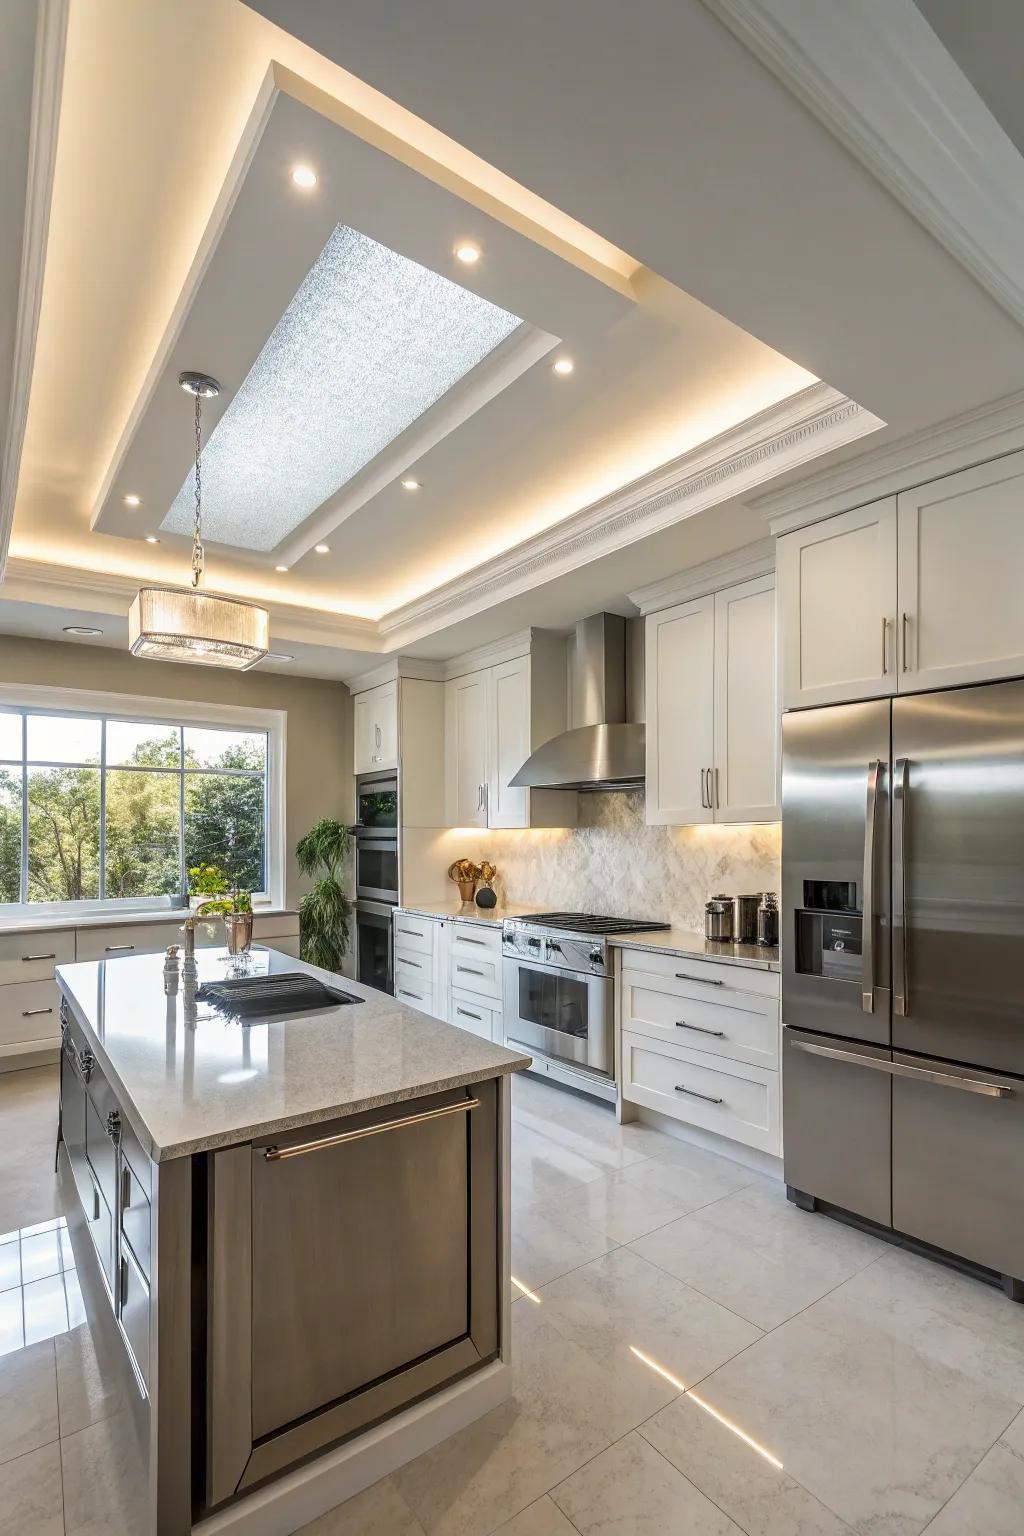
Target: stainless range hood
{"points": [[606, 752]]}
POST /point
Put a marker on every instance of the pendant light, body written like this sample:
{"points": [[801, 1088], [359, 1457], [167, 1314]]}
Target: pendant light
{"points": [[182, 624]]}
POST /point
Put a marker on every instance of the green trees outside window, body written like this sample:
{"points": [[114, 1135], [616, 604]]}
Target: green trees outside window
{"points": [[120, 809]]}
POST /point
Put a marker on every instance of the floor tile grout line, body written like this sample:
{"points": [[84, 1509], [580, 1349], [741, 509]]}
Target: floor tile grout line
{"points": [[968, 1477]]}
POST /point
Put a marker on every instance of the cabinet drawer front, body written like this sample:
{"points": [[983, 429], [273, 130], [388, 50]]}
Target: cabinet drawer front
{"points": [[416, 935], [471, 939], [29, 1011], [136, 1218], [130, 939], [736, 1101], [696, 977], [479, 974], [745, 1029], [32, 956], [133, 1306], [275, 926], [468, 1012], [413, 989]]}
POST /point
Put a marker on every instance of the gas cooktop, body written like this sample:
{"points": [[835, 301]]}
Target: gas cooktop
{"points": [[589, 922]]}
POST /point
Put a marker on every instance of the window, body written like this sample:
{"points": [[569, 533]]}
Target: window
{"points": [[108, 809]]}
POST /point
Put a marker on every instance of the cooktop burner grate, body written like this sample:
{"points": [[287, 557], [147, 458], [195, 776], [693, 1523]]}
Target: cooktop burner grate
{"points": [[587, 922]]}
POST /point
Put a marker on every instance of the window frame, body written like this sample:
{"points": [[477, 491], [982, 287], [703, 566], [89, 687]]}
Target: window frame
{"points": [[148, 710]]}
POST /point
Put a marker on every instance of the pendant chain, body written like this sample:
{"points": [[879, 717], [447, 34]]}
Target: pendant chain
{"points": [[198, 553]]}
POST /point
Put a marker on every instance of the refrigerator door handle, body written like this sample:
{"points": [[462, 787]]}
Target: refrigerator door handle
{"points": [[867, 989], [902, 1069], [901, 980]]}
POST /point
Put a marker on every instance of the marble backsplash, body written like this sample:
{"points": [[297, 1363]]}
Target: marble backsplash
{"points": [[612, 862]]}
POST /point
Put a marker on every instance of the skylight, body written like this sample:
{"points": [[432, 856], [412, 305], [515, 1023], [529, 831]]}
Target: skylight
{"points": [[370, 341]]}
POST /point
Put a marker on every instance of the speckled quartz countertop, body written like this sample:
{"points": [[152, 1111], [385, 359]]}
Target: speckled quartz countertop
{"points": [[694, 946], [28, 921], [187, 1087]]}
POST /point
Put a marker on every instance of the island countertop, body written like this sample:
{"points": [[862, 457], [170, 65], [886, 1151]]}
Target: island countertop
{"points": [[192, 1087]]}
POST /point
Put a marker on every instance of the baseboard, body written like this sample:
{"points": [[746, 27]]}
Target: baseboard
{"points": [[708, 1141], [304, 1495]]}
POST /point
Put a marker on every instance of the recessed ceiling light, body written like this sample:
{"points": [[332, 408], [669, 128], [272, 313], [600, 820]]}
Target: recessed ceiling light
{"points": [[133, 501], [563, 365], [468, 253], [281, 568], [80, 629], [304, 176], [151, 538], [323, 549], [410, 484]]}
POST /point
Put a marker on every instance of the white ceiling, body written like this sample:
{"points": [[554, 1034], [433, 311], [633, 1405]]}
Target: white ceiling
{"points": [[642, 188]]}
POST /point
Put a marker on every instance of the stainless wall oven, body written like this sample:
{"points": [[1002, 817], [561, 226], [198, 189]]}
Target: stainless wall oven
{"points": [[376, 837], [557, 1001]]}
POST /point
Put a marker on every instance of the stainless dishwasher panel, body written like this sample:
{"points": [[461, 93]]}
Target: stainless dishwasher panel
{"points": [[837, 1108], [835, 870], [958, 1152], [958, 874]]}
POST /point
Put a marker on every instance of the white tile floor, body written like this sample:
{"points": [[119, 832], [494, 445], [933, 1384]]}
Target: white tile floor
{"points": [[694, 1356]]}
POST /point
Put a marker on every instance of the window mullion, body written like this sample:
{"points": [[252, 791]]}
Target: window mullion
{"points": [[103, 808], [24, 807]]}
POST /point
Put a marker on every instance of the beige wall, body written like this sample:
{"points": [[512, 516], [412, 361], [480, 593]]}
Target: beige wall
{"points": [[319, 754]]}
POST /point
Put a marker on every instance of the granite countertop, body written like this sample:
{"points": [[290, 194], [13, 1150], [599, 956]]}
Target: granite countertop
{"points": [[464, 911], [32, 921], [694, 946], [187, 1087]]}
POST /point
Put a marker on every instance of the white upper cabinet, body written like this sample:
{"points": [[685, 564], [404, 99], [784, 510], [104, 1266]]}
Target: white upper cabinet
{"points": [[712, 708], [375, 717], [745, 785], [680, 687], [961, 577], [467, 734], [495, 718], [837, 607]]}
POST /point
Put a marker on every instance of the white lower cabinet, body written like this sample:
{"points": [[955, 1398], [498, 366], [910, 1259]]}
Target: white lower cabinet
{"points": [[699, 1042], [479, 1017], [451, 968]]}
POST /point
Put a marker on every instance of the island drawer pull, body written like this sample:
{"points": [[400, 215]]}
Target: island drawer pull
{"points": [[470, 970], [705, 981], [719, 1034], [30, 1013], [467, 1013], [27, 959], [115, 949], [707, 1097], [464, 938], [278, 1154]]}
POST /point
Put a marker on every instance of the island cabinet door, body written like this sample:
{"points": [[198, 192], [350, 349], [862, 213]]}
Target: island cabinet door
{"points": [[367, 1270]]}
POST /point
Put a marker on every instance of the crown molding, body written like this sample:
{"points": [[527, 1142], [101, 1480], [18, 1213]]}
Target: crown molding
{"points": [[796, 430], [418, 668], [879, 78], [743, 564], [47, 82], [986, 432]]}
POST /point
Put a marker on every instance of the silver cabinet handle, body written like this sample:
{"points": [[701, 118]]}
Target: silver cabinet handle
{"points": [[718, 803], [719, 1034], [867, 983], [470, 970], [116, 949], [404, 960], [124, 1281], [30, 1013], [885, 645], [705, 981], [904, 1069], [412, 933], [707, 1097], [26, 959], [376, 736], [462, 938], [416, 996], [467, 1014], [901, 982], [703, 791], [904, 622], [278, 1154], [479, 797]]}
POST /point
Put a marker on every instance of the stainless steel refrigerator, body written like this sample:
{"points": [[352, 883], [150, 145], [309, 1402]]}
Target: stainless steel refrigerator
{"points": [[903, 967]]}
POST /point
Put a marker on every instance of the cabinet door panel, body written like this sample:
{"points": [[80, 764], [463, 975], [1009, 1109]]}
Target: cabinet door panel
{"points": [[362, 713], [680, 712], [466, 740], [837, 607], [961, 554], [510, 727], [746, 706], [385, 721]]}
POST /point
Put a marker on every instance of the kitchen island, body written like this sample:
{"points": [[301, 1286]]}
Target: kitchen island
{"points": [[298, 1225]]}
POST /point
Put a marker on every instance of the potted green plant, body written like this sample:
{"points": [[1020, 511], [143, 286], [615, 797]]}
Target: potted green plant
{"points": [[325, 911], [236, 910], [205, 881]]}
